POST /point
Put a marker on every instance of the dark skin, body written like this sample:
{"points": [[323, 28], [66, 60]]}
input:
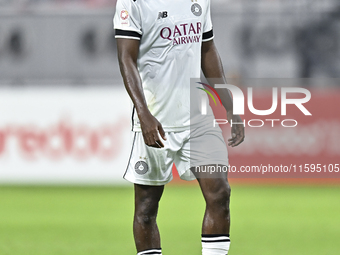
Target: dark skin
{"points": [[213, 70], [216, 191], [127, 56]]}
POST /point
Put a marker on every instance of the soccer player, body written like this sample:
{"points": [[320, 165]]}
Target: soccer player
{"points": [[162, 46]]}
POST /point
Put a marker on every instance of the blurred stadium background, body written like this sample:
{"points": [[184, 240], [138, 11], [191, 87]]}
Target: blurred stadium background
{"points": [[65, 121]]}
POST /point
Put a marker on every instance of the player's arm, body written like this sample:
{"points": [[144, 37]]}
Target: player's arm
{"points": [[128, 50], [213, 71]]}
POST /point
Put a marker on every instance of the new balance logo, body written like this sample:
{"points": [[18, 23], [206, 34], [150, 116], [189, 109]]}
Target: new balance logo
{"points": [[162, 15]]}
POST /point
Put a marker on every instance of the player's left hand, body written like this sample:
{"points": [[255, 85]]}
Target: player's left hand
{"points": [[237, 132]]}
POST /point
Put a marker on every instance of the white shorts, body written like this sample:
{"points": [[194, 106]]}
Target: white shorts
{"points": [[190, 148]]}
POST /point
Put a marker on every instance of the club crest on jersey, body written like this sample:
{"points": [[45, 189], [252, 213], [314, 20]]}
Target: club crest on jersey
{"points": [[196, 9], [141, 167]]}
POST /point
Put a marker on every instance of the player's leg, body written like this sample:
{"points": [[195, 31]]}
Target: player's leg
{"points": [[216, 222], [216, 192], [150, 169], [206, 147], [145, 228]]}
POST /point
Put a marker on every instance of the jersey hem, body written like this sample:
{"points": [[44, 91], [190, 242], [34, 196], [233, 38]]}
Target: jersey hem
{"points": [[209, 39], [148, 182], [210, 162], [127, 37]]}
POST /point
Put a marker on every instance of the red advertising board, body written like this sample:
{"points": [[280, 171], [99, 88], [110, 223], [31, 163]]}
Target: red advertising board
{"points": [[294, 145]]}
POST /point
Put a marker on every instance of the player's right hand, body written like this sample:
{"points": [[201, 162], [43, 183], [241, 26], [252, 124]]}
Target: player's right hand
{"points": [[152, 131]]}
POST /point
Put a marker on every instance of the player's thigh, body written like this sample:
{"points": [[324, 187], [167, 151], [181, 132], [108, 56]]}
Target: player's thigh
{"points": [[215, 190], [147, 198]]}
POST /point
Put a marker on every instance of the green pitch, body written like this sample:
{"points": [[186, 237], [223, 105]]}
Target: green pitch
{"points": [[84, 221]]}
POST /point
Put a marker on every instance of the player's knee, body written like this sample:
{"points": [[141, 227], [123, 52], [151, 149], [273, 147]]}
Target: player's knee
{"points": [[219, 198], [146, 219], [146, 211]]}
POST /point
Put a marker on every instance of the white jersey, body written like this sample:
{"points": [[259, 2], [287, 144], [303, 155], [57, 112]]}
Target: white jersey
{"points": [[171, 35]]}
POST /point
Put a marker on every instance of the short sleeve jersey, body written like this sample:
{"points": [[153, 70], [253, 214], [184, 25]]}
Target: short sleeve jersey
{"points": [[171, 35]]}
